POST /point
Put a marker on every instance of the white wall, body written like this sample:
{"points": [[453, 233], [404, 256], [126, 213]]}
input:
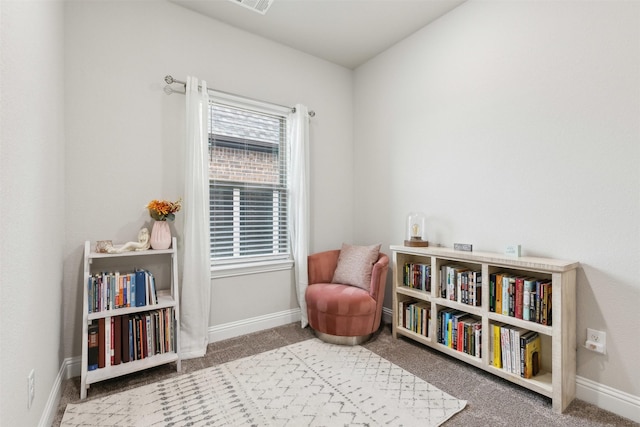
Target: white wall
{"points": [[517, 122], [32, 204], [124, 134]]}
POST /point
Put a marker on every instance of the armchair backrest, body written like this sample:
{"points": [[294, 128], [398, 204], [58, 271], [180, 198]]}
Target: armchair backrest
{"points": [[322, 265]]}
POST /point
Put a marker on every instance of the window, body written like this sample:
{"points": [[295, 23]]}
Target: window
{"points": [[247, 184]]}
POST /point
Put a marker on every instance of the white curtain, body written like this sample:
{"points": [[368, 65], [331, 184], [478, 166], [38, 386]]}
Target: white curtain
{"points": [[196, 270], [299, 201]]}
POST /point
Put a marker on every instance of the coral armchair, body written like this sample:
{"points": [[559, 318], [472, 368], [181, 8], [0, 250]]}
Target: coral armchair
{"points": [[342, 313]]}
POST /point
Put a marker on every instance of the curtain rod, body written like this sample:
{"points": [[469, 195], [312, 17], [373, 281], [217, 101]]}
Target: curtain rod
{"points": [[170, 80]]}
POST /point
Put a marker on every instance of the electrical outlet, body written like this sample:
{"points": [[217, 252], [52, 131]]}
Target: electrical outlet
{"points": [[596, 341], [31, 387]]}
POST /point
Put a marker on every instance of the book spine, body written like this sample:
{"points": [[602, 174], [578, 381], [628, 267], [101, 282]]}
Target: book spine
{"points": [[518, 303], [93, 337], [124, 336], [111, 335], [117, 340], [497, 354], [499, 293], [101, 342]]}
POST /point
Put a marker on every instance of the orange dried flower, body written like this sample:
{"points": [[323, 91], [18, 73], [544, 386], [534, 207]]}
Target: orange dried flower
{"points": [[163, 210]]}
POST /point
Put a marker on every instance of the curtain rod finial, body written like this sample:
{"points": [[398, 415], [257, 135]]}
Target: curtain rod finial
{"points": [[168, 79]]}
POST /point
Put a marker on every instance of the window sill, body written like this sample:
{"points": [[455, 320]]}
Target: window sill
{"points": [[230, 270]]}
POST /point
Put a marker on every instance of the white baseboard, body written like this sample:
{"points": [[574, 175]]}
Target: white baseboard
{"points": [[387, 315], [254, 324], [604, 397], [607, 398], [67, 369]]}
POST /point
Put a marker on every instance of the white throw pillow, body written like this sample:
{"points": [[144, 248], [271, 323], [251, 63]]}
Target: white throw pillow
{"points": [[355, 264]]}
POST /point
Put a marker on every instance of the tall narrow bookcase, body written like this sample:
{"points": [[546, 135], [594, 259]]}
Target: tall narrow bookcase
{"points": [[557, 376], [158, 322]]}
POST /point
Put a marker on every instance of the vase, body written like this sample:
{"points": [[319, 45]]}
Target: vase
{"points": [[160, 235]]}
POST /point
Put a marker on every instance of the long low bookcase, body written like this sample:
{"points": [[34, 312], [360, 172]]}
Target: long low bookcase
{"points": [[158, 319], [556, 377]]}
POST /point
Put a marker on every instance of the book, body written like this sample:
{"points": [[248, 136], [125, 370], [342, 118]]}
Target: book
{"points": [[117, 288], [110, 338], [524, 339], [477, 334], [492, 293], [532, 357], [143, 337], [117, 340], [545, 312], [150, 334], [536, 317], [124, 335], [424, 310], [459, 277], [549, 305], [499, 293], [93, 336], [133, 291], [516, 333], [527, 298], [477, 288], [102, 330], [497, 353], [459, 335], [505, 348], [141, 288], [131, 340], [443, 281], [519, 297], [508, 306]]}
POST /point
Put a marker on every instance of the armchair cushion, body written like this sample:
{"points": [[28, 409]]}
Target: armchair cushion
{"points": [[355, 264]]}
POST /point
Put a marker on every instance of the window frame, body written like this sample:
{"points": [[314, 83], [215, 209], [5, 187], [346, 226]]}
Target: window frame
{"points": [[259, 263]]}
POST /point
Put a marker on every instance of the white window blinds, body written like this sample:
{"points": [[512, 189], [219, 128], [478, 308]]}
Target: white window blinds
{"points": [[247, 184]]}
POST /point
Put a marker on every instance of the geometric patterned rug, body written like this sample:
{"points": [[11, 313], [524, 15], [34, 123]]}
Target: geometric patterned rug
{"points": [[310, 383]]}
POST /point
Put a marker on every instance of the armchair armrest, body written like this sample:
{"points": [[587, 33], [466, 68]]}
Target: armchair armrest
{"points": [[379, 277]]}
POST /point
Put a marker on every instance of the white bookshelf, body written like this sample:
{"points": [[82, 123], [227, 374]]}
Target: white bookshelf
{"points": [[164, 262], [557, 378]]}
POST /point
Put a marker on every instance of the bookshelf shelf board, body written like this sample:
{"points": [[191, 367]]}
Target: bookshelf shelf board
{"points": [[415, 293], [414, 335], [476, 361], [557, 379], [114, 371], [148, 252], [541, 383], [526, 324], [164, 301], [471, 309]]}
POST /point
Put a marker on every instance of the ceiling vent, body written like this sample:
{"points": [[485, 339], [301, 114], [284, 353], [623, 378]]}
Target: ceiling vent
{"points": [[260, 6]]}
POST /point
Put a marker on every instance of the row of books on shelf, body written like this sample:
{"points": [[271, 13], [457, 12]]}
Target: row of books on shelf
{"points": [[461, 284], [460, 331], [112, 290], [515, 350], [415, 316], [121, 339], [525, 298], [417, 276]]}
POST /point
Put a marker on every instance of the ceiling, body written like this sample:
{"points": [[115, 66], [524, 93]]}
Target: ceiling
{"points": [[345, 32]]}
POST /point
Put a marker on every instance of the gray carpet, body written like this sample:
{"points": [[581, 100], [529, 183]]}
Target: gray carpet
{"points": [[491, 400]]}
